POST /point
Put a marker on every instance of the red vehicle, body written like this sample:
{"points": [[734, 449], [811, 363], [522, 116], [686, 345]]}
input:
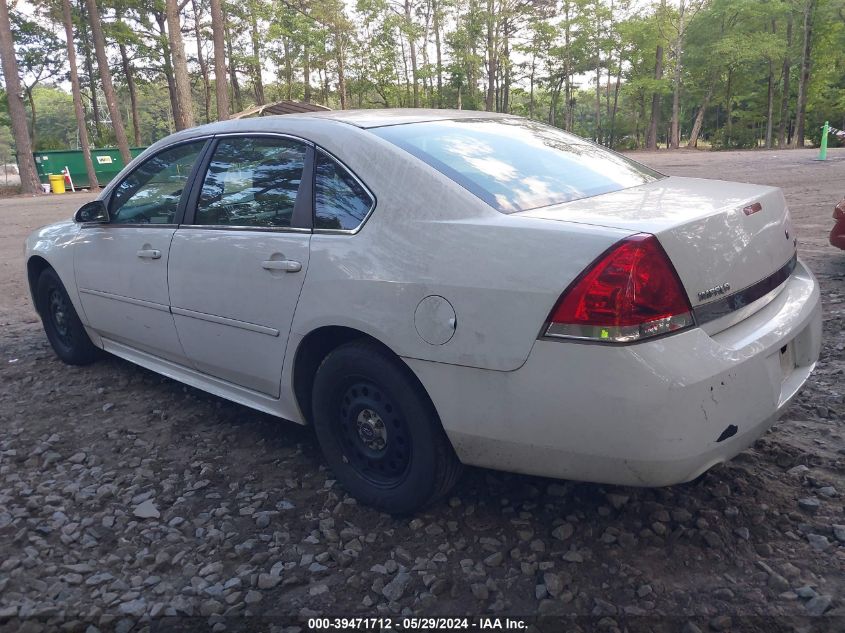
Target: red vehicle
{"points": [[837, 234]]}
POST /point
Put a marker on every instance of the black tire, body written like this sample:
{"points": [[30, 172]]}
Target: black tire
{"points": [[61, 322], [379, 432]]}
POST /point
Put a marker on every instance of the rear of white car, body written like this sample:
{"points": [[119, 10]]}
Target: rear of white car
{"points": [[673, 351], [652, 413]]}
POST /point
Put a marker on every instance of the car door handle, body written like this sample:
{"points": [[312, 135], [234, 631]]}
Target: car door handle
{"points": [[150, 253], [288, 265]]}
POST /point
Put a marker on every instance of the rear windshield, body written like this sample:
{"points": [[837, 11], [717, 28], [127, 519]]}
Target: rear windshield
{"points": [[514, 164]]}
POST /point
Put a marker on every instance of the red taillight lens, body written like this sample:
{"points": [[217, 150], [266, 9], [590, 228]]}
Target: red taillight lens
{"points": [[630, 293], [839, 211]]}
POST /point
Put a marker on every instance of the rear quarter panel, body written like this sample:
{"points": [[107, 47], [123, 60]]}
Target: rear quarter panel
{"points": [[428, 236]]}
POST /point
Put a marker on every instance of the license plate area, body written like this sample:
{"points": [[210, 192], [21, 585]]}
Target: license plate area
{"points": [[787, 360]]}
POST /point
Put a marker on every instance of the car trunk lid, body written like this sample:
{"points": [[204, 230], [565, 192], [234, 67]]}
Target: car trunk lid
{"points": [[722, 237]]}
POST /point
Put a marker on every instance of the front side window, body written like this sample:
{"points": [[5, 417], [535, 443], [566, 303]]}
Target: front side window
{"points": [[340, 202], [514, 164], [151, 193], [251, 182]]}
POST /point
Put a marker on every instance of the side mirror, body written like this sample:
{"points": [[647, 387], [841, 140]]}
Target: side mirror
{"points": [[92, 212]]}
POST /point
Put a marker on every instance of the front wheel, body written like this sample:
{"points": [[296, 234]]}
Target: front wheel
{"points": [[61, 322], [379, 433]]}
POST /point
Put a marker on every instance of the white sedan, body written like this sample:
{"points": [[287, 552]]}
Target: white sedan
{"points": [[431, 288]]}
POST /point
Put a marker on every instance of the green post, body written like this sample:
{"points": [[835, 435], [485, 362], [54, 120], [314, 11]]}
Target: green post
{"points": [[823, 145]]}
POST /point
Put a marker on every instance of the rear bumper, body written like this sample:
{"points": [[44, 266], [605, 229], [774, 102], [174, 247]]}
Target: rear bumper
{"points": [[651, 414]]}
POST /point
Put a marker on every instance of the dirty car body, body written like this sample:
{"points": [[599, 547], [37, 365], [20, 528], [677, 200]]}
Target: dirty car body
{"points": [[557, 309]]}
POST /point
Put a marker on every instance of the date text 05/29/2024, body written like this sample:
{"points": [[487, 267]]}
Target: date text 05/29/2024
{"points": [[421, 624]]}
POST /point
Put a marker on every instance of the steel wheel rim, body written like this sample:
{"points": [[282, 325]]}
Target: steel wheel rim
{"points": [[373, 433], [59, 311]]}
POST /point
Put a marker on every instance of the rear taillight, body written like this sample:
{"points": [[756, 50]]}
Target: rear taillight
{"points": [[630, 293], [839, 211]]}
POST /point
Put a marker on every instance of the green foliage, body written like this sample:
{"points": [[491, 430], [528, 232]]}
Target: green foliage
{"points": [[589, 65], [39, 51], [56, 122], [7, 142]]}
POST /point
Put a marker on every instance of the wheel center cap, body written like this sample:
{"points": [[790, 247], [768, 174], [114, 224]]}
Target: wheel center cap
{"points": [[371, 430]]}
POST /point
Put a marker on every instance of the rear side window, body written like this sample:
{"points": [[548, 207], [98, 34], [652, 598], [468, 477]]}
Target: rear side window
{"points": [[514, 164], [251, 182], [340, 201]]}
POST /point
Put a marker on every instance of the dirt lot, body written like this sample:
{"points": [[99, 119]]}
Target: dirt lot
{"points": [[248, 522]]}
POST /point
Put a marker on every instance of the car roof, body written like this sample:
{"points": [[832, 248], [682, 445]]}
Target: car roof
{"points": [[362, 119], [394, 116], [311, 124]]}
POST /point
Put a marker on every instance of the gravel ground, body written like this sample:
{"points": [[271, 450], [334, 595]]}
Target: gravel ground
{"points": [[126, 498]]}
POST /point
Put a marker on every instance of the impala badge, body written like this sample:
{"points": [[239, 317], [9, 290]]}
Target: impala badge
{"points": [[714, 292]]}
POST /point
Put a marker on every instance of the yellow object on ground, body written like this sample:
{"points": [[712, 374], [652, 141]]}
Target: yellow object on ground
{"points": [[57, 183]]}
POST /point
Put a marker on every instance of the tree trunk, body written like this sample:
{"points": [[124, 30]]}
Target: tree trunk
{"points": [[105, 77], [306, 73], [567, 69], [288, 68], [183, 116], [784, 100], [255, 36], [78, 110], [428, 88], [654, 123], [729, 109], [804, 77], [531, 86], [233, 72], [436, 9], [341, 68], [323, 74], [498, 100], [471, 83], [608, 66], [506, 66], [17, 113], [491, 55], [221, 90], [133, 93], [637, 120], [405, 66], [412, 50], [597, 132], [33, 116], [89, 68], [166, 65], [555, 98], [615, 103], [676, 87], [770, 99], [206, 84], [699, 118]]}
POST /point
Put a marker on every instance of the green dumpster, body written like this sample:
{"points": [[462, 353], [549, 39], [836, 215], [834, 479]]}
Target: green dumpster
{"points": [[107, 163]]}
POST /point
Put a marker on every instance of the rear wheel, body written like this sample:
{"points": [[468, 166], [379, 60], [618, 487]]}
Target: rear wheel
{"points": [[61, 322], [380, 435]]}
